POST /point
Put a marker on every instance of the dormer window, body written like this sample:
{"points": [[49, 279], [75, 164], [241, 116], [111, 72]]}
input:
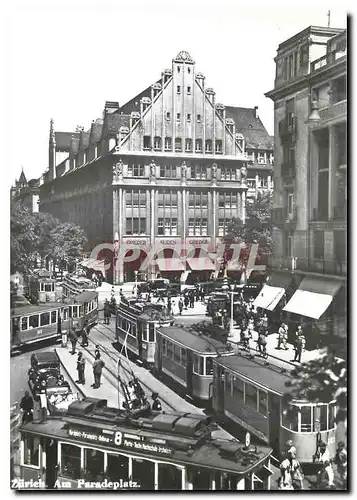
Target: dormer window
{"points": [[189, 117], [198, 145], [178, 144], [189, 90], [156, 92], [198, 118], [178, 69], [219, 146], [208, 146], [157, 142], [168, 143], [145, 106], [178, 117], [188, 145], [147, 142], [168, 116], [179, 89]]}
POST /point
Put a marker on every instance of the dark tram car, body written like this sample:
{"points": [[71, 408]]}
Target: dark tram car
{"points": [[250, 393], [186, 358]]}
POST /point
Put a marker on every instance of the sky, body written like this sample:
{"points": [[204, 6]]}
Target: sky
{"points": [[64, 59]]}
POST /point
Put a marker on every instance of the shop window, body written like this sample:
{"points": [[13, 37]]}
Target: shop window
{"points": [[31, 450], [306, 424], [70, 461], [34, 321], [54, 317], [263, 402], [251, 396], [289, 418], [93, 465], [24, 323], [45, 319]]}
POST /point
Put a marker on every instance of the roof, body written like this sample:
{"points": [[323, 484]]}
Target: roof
{"points": [[252, 128], [46, 357], [96, 130], [22, 179], [63, 140], [85, 297], [113, 121], [193, 340], [32, 309], [257, 371]]}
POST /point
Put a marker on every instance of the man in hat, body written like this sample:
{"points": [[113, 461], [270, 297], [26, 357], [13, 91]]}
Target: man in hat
{"points": [[341, 460], [156, 405], [81, 364], [98, 366]]}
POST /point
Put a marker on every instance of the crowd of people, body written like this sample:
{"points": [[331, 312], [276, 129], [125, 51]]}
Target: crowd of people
{"points": [[292, 476]]}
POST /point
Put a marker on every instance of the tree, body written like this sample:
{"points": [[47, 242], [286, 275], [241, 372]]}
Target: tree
{"points": [[23, 240], [321, 380], [67, 242], [44, 224]]}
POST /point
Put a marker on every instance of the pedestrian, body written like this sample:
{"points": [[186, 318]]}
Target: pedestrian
{"points": [[73, 339], [341, 460], [262, 344], [169, 305], [265, 321], [107, 312], [180, 306], [98, 366], [156, 405], [202, 294], [281, 336], [81, 364], [322, 454], [26, 405], [97, 352], [186, 301], [299, 347], [325, 477], [285, 482], [251, 326]]}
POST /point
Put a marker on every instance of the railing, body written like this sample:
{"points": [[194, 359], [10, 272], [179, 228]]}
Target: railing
{"points": [[328, 59], [281, 217], [319, 266], [287, 126], [339, 213]]}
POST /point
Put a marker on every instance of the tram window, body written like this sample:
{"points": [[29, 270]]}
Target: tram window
{"points": [[263, 403], [65, 313], [331, 415], [170, 350], [31, 450], [70, 461], [151, 333], [201, 479], [33, 321], [289, 418], [144, 473], [54, 317], [227, 382], [251, 396], [45, 319], [93, 464], [74, 311], [197, 364], [183, 357], [48, 287], [70, 311], [81, 311], [177, 354], [238, 389], [209, 366], [170, 477], [41, 287], [24, 323], [163, 345], [86, 307], [118, 467], [306, 419], [320, 418]]}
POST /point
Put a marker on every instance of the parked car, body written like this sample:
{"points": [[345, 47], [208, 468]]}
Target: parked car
{"points": [[45, 373]]}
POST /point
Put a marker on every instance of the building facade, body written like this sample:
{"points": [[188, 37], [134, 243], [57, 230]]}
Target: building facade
{"points": [[310, 173], [169, 166], [26, 192]]}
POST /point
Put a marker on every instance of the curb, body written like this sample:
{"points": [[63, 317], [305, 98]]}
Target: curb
{"points": [[70, 377]]}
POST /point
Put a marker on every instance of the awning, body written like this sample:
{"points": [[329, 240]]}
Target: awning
{"points": [[201, 264], [313, 297], [271, 293], [269, 297], [96, 265], [170, 264]]}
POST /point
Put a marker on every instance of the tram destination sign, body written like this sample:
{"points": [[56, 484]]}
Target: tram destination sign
{"points": [[120, 439]]}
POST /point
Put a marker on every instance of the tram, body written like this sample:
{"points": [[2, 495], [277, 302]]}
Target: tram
{"points": [[93, 446], [73, 285], [185, 357], [41, 287], [250, 393], [136, 323], [31, 324]]}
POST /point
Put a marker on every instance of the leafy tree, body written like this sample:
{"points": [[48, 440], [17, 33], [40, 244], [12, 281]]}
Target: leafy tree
{"points": [[321, 380], [24, 239], [44, 224], [67, 242]]}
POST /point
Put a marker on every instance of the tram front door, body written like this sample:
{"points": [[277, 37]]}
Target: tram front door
{"points": [[51, 462]]}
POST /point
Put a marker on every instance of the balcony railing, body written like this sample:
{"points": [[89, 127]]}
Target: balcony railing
{"points": [[287, 126], [328, 59], [319, 266], [281, 216]]}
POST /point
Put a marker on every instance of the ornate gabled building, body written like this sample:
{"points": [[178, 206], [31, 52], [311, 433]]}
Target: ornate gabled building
{"points": [[26, 192], [310, 195], [168, 166]]}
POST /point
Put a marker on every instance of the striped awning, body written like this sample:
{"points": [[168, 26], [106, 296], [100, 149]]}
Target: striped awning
{"points": [[170, 264], [201, 264]]}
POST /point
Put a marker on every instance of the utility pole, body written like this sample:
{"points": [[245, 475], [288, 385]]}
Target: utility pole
{"points": [[328, 18]]}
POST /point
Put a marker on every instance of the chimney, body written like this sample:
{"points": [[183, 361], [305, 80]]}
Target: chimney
{"points": [[256, 114]]}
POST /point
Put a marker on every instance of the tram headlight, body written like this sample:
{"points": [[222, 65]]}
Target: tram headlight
{"points": [[43, 383]]}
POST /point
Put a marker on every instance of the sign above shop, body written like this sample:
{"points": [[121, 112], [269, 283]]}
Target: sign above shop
{"points": [[119, 439]]}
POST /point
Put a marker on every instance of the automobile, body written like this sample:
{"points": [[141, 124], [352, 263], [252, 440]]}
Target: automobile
{"points": [[45, 373]]}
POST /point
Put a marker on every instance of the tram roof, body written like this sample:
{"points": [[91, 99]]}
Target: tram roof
{"points": [[85, 296], [255, 370], [176, 432], [193, 340], [24, 310]]}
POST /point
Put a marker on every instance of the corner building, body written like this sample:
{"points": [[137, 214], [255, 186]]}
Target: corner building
{"points": [[310, 176], [168, 166]]}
